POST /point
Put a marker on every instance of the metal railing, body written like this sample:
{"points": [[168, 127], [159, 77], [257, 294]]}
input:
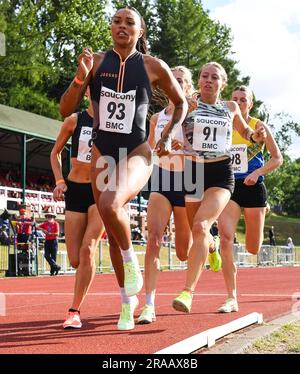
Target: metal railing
{"points": [[267, 256], [41, 202], [37, 264]]}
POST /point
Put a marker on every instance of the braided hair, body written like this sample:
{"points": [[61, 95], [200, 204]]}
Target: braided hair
{"points": [[141, 45]]}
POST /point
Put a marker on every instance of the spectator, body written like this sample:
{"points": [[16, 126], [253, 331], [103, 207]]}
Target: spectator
{"points": [[290, 250], [23, 226], [272, 236], [4, 235], [51, 229], [290, 243], [8, 176], [235, 240]]}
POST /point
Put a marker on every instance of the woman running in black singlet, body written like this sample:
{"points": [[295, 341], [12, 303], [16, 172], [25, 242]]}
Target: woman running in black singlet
{"points": [[121, 82]]}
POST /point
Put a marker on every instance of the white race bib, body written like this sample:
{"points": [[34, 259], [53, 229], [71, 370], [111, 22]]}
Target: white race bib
{"points": [[210, 134], [116, 110], [239, 158], [85, 144]]}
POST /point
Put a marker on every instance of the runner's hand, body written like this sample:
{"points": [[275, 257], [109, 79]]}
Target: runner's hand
{"points": [[85, 63], [252, 178], [259, 134], [176, 145], [163, 146], [59, 190], [192, 103]]}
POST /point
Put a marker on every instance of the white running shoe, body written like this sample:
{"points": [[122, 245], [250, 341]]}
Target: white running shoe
{"points": [[126, 320], [229, 306], [133, 279], [147, 315], [73, 321]]}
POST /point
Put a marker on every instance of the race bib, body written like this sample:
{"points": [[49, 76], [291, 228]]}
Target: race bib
{"points": [[116, 110], [85, 145], [210, 134], [239, 158]]}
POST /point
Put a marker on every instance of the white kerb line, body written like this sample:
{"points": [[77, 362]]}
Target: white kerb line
{"points": [[2, 305]]}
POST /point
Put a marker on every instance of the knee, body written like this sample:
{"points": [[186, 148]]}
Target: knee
{"points": [[74, 263], [154, 239], [253, 249], [87, 256], [182, 249], [253, 244], [107, 208], [153, 243], [200, 229], [226, 241], [182, 255]]}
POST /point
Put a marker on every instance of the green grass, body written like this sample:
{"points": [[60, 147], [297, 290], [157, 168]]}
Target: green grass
{"points": [[285, 340]]}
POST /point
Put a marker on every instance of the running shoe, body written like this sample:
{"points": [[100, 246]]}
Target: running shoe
{"points": [[73, 321], [214, 258], [147, 315], [229, 306], [183, 302], [133, 279], [126, 320]]}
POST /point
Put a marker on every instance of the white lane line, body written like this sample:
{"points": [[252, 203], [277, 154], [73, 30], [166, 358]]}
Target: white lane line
{"points": [[2, 304], [157, 294]]}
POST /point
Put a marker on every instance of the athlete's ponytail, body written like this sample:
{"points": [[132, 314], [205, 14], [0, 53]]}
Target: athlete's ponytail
{"points": [[141, 44]]}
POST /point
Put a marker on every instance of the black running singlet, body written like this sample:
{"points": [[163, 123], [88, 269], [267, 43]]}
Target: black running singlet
{"points": [[121, 93], [82, 138]]}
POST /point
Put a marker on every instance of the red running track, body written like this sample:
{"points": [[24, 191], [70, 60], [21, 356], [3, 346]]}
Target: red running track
{"points": [[36, 307]]}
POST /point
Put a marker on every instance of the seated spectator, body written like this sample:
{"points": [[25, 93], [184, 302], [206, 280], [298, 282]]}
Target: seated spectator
{"points": [[4, 235], [23, 225]]}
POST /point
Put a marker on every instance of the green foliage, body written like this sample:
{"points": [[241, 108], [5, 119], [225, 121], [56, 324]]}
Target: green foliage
{"points": [[283, 136], [45, 37], [283, 184], [186, 35], [284, 187], [43, 40], [36, 102]]}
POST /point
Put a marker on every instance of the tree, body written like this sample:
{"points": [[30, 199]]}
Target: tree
{"points": [[43, 40], [284, 183], [182, 39]]}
